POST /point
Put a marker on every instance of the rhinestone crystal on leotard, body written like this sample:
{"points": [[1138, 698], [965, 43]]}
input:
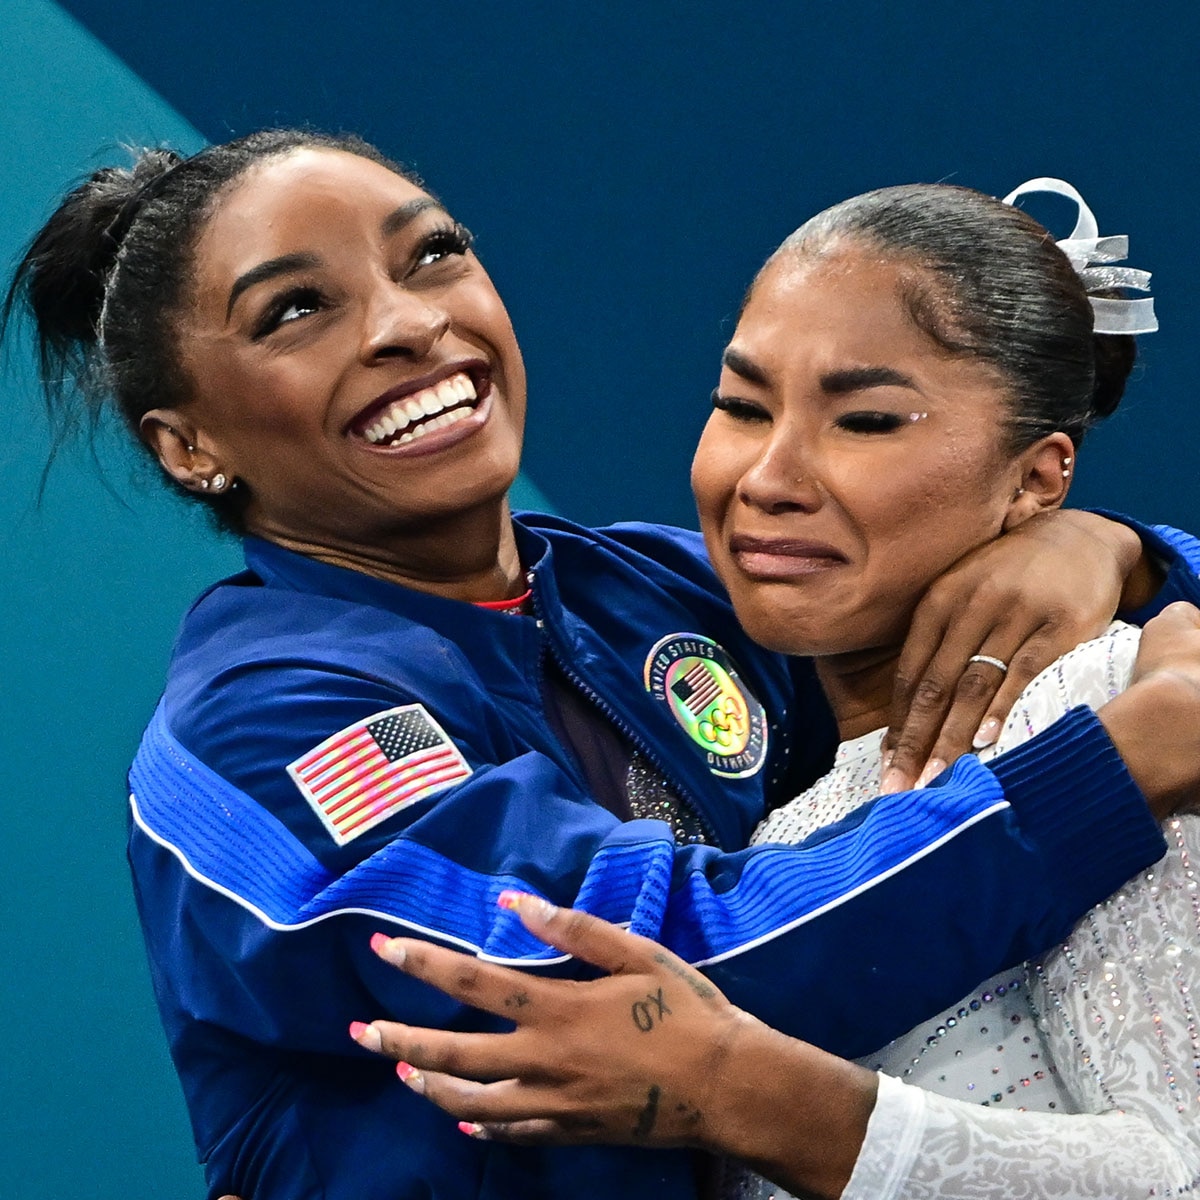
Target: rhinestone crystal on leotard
{"points": [[650, 795]]}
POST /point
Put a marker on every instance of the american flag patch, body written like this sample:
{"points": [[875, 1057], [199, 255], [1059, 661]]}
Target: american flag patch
{"points": [[372, 769], [697, 689]]}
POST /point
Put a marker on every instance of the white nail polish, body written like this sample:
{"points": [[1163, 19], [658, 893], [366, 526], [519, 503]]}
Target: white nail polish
{"points": [[986, 734]]}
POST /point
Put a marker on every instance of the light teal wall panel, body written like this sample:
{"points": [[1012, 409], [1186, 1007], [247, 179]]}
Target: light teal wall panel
{"points": [[93, 586]]}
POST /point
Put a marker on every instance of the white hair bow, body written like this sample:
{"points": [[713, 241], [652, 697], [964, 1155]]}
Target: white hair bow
{"points": [[1091, 256]]}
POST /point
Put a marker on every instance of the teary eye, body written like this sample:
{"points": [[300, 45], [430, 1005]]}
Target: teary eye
{"points": [[738, 409], [871, 422]]}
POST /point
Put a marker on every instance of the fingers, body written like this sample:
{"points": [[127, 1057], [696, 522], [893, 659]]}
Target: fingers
{"points": [[499, 990], [507, 1110], [528, 1133], [581, 935], [941, 698], [989, 686], [1170, 642], [479, 1056]]}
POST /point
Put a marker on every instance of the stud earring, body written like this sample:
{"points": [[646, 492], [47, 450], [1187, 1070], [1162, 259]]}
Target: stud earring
{"points": [[1067, 467], [218, 482], [204, 483]]}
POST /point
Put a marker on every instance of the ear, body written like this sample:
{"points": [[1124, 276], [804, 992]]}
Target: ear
{"points": [[1045, 471], [180, 448]]}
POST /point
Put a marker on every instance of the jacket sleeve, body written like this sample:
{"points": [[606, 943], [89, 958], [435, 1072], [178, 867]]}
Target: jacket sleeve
{"points": [[1179, 555], [920, 894]]}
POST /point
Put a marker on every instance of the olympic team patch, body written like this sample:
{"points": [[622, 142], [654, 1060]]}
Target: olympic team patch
{"points": [[376, 767], [697, 681]]}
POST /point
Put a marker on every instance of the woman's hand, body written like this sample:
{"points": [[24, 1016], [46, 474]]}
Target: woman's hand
{"points": [[1155, 723], [1022, 600], [651, 1055], [630, 1058]]}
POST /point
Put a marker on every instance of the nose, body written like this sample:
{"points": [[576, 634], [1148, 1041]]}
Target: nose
{"points": [[782, 478], [401, 324]]}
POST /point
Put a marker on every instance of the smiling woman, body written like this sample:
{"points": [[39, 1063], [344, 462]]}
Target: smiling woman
{"points": [[291, 324], [411, 701]]}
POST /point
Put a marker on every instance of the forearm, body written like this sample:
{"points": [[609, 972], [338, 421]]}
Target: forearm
{"points": [[790, 1111]]}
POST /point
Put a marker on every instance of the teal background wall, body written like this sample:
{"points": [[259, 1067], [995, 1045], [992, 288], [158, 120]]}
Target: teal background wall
{"points": [[625, 167]]}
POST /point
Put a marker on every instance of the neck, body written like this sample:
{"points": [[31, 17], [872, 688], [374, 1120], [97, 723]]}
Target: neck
{"points": [[467, 556], [859, 687]]}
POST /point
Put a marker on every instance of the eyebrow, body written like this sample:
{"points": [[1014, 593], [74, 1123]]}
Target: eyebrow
{"points": [[747, 368], [398, 218], [286, 264], [854, 379], [833, 383]]}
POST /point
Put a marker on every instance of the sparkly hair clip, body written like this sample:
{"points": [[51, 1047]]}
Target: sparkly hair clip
{"points": [[1092, 256]]}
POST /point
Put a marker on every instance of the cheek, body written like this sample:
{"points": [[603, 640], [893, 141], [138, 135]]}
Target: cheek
{"points": [[924, 521], [715, 471]]}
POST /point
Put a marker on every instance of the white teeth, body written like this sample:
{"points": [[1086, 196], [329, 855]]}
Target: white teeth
{"points": [[426, 406]]}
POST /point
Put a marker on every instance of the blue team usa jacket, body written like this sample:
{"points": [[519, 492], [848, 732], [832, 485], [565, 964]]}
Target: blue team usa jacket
{"points": [[335, 755]]}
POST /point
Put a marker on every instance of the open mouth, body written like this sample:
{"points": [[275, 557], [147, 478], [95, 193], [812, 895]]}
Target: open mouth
{"points": [[414, 415]]}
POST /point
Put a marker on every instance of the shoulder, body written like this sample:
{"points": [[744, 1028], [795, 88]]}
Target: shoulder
{"points": [[1091, 674]]}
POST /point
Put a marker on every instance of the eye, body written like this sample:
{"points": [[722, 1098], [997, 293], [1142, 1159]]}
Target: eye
{"points": [[448, 242], [287, 307], [871, 422], [738, 409]]}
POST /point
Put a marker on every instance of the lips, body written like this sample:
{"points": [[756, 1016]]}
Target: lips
{"points": [[421, 407], [783, 558]]}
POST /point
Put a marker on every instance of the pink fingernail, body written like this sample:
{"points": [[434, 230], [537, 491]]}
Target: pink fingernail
{"points": [[510, 900], [379, 941], [357, 1029], [471, 1129], [411, 1077]]}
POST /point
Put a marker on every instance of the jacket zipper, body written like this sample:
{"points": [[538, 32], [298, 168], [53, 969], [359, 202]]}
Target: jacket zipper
{"points": [[683, 793]]}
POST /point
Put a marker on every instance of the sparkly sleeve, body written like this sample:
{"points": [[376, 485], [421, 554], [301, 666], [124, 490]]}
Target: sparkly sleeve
{"points": [[1117, 1004], [965, 1151]]}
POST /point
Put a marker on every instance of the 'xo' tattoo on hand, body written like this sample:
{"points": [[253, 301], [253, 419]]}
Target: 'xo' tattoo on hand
{"points": [[646, 1012]]}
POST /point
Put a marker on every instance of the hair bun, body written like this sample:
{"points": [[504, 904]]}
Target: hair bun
{"points": [[64, 272], [1115, 355]]}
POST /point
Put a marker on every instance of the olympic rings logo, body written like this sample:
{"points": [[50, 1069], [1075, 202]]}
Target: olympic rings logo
{"points": [[724, 724]]}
